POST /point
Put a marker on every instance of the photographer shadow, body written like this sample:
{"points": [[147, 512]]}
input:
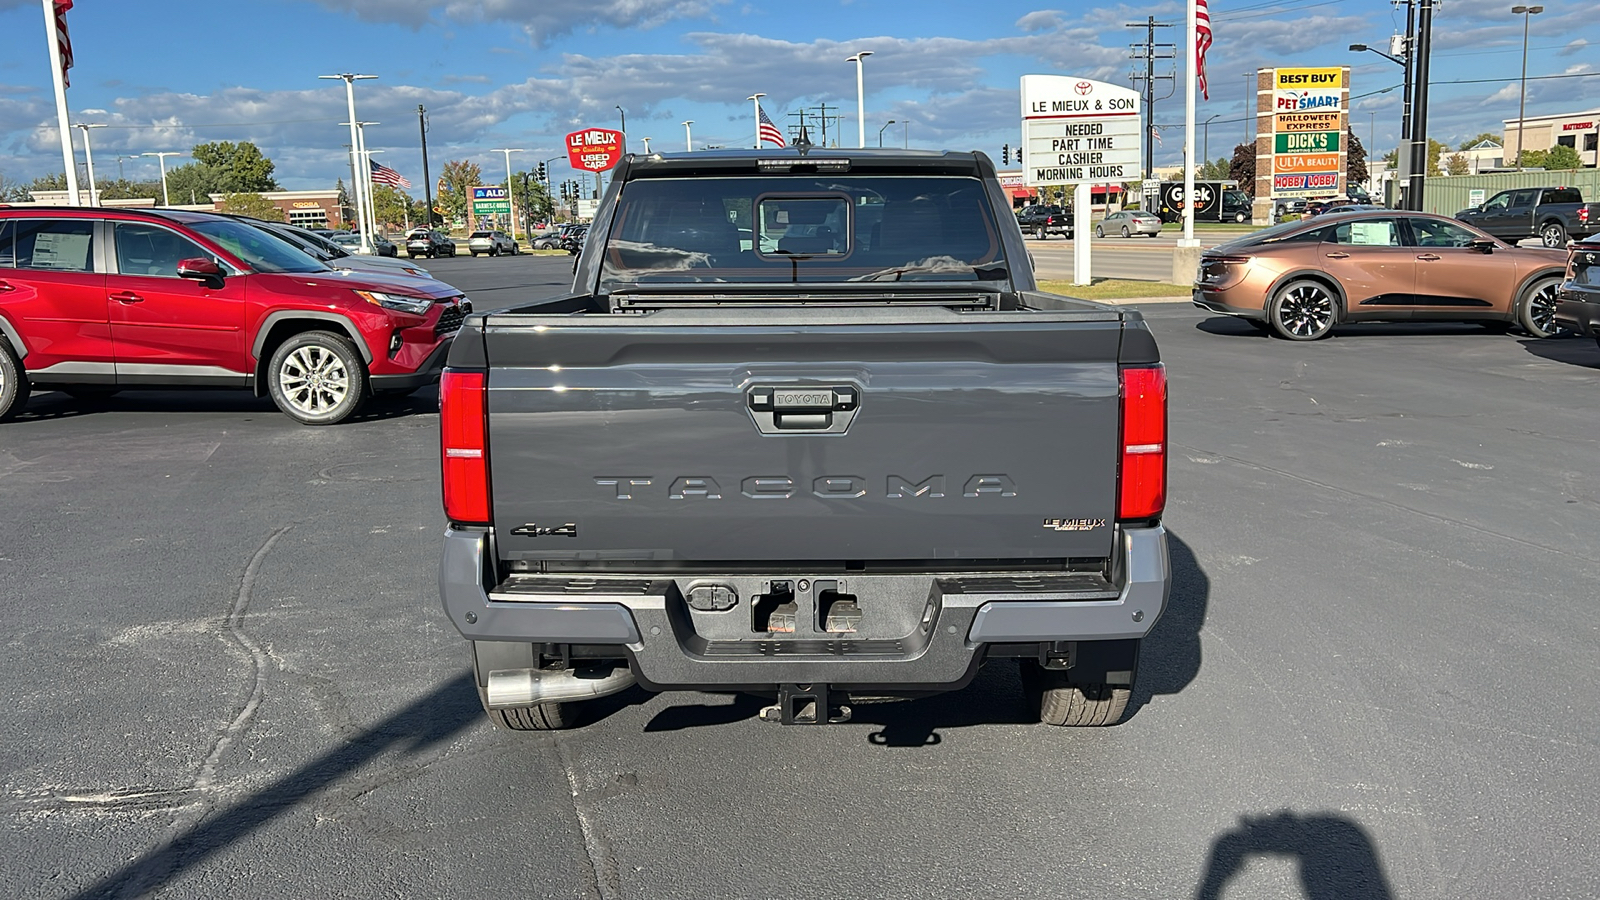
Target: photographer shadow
{"points": [[1335, 856]]}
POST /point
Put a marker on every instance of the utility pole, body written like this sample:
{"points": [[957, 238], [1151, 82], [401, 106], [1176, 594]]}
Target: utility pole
{"points": [[1402, 155], [822, 113], [427, 183], [1150, 51], [1419, 107]]}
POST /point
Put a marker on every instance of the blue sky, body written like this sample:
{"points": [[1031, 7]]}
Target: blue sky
{"points": [[166, 74]]}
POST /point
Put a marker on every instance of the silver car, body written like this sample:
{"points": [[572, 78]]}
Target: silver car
{"points": [[493, 243], [336, 257], [1128, 223]]}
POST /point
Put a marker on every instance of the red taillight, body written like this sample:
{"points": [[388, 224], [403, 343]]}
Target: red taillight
{"points": [[464, 447], [1144, 443], [1583, 214]]}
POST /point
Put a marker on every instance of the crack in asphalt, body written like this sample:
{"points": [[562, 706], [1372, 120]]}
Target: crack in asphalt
{"points": [[607, 878]]}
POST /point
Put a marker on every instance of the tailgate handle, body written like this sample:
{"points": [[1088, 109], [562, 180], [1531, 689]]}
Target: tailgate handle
{"points": [[803, 409]]}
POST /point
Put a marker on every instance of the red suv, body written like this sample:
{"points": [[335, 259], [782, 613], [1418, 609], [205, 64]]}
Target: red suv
{"points": [[93, 301]]}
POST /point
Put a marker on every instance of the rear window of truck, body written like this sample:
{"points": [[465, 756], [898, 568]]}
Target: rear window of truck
{"points": [[822, 229]]}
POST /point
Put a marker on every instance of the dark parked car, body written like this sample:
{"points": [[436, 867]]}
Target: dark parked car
{"points": [[1549, 214], [429, 243], [1578, 302], [1043, 221], [572, 241], [843, 466]]}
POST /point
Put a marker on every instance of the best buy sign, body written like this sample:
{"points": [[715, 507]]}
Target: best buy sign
{"points": [[1308, 142]]}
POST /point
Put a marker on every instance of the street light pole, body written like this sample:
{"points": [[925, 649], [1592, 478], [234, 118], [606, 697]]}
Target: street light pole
{"points": [[1250, 104], [861, 98], [350, 100], [624, 114], [88, 155], [511, 199], [755, 100], [1205, 140], [881, 130], [688, 136], [1402, 153], [1527, 13], [161, 157], [427, 186], [646, 147]]}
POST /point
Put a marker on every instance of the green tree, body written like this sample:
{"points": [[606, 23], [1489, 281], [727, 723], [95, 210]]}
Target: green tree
{"points": [[1456, 164], [1355, 159], [1243, 168], [253, 205], [455, 188], [1471, 142], [1214, 170], [123, 189], [238, 168], [1436, 150], [1562, 157], [56, 182], [392, 207]]}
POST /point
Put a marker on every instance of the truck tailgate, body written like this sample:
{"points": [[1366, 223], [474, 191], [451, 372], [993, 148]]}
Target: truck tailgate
{"points": [[804, 435]]}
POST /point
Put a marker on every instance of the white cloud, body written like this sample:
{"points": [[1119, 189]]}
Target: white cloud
{"points": [[1573, 47], [541, 19]]}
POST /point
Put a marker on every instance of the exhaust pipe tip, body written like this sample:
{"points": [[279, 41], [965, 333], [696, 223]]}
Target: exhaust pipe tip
{"points": [[509, 688]]}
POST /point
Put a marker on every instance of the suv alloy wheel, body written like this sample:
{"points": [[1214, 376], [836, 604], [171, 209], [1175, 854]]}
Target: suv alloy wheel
{"points": [[317, 378]]}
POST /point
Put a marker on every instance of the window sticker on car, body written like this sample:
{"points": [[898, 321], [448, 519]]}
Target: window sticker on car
{"points": [[1372, 234], [56, 250]]}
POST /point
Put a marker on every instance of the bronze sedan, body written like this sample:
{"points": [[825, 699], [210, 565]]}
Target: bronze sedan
{"points": [[1301, 279]]}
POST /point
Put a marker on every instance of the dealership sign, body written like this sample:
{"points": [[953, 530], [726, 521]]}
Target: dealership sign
{"points": [[1076, 130], [594, 149]]}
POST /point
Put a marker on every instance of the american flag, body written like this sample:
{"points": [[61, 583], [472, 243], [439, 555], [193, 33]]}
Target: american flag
{"points": [[1202, 43], [382, 174], [768, 131], [61, 37]]}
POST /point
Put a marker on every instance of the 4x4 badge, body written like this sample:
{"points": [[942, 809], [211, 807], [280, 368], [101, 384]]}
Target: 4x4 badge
{"points": [[1074, 524], [532, 530]]}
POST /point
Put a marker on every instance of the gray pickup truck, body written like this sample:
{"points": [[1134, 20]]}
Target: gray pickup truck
{"points": [[1553, 215], [805, 429]]}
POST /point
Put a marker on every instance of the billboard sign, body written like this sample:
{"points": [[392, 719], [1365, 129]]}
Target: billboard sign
{"points": [[1308, 108], [594, 149], [488, 201], [1075, 130]]}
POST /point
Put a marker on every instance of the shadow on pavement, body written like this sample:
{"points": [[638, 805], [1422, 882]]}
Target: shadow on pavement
{"points": [[1575, 351], [433, 719], [1336, 857], [1231, 326], [1170, 656], [50, 405]]}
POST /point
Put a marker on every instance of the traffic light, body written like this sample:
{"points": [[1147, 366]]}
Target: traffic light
{"points": [[541, 172], [1005, 154]]}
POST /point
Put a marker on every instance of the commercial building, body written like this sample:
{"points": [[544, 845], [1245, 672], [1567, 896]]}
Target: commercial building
{"points": [[1580, 131], [1012, 181]]}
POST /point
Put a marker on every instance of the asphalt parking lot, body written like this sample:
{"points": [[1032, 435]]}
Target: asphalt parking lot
{"points": [[227, 672]]}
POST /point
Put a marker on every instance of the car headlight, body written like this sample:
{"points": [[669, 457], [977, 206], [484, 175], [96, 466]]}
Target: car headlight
{"points": [[414, 305]]}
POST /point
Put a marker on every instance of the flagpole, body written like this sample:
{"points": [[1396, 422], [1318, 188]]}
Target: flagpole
{"points": [[68, 158], [755, 100], [1188, 126]]}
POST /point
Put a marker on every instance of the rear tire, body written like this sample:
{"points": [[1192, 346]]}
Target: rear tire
{"points": [[1124, 231], [544, 717], [1303, 311], [1536, 309], [317, 378], [1064, 704], [1553, 235], [14, 386]]}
